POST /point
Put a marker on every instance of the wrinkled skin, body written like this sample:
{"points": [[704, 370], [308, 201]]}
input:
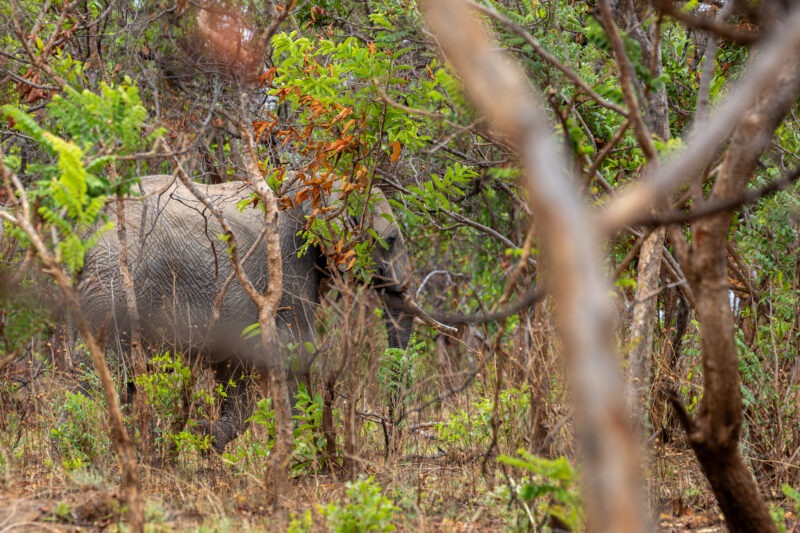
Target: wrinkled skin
{"points": [[179, 265]]}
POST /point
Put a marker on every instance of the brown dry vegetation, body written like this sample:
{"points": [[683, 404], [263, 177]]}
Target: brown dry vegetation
{"points": [[442, 479]]}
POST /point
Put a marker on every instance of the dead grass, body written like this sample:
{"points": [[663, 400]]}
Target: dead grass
{"points": [[438, 484]]}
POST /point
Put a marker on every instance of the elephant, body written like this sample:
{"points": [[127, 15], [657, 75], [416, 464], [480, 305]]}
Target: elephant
{"points": [[179, 265]]}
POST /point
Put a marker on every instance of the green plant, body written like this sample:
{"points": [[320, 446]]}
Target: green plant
{"points": [[168, 387], [397, 371], [93, 131], [309, 442], [303, 524], [777, 511], [81, 438], [549, 495], [365, 508], [472, 427]]}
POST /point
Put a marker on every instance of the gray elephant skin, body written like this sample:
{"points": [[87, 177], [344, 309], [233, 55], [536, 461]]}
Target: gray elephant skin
{"points": [[179, 265]]}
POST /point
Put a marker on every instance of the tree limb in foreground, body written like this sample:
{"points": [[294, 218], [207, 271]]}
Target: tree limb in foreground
{"points": [[584, 309]]}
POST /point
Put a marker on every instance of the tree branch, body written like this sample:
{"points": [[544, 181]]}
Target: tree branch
{"points": [[500, 91], [547, 56], [717, 27], [707, 136], [712, 208]]}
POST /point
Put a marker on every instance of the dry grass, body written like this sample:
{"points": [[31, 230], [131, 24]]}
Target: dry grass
{"points": [[441, 479]]}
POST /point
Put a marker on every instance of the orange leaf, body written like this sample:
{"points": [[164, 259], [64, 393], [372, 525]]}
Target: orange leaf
{"points": [[430, 72], [348, 125], [340, 144], [259, 127], [267, 76], [301, 196], [344, 113], [395, 151]]}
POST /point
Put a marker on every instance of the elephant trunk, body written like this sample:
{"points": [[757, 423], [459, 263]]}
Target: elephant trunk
{"points": [[399, 322]]}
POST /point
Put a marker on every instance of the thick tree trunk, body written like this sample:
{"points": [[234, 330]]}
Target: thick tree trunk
{"points": [[714, 433]]}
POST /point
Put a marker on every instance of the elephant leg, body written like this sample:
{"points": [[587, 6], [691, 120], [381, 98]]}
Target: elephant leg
{"points": [[236, 408]]}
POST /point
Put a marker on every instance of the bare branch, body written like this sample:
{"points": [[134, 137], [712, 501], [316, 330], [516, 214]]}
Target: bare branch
{"points": [[717, 27], [712, 208], [707, 136], [626, 77], [547, 56]]}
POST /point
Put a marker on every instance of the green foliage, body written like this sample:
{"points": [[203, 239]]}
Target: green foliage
{"points": [[168, 386], [443, 192], [81, 438], [303, 524], [550, 491], [309, 442], [793, 495], [473, 427], [777, 512], [23, 313], [397, 371], [333, 87], [364, 508], [94, 129]]}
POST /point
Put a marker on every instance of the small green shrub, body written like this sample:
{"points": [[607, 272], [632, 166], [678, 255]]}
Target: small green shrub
{"points": [[365, 509], [168, 386], [548, 494], [309, 442], [81, 438], [473, 427], [397, 372]]}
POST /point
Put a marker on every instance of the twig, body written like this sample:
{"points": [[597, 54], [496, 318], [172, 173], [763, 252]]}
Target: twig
{"points": [[717, 27], [626, 76], [531, 40]]}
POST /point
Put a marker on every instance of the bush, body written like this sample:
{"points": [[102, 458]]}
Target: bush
{"points": [[364, 509]]}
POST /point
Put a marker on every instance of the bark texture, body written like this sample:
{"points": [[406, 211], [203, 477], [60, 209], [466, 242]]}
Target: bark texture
{"points": [[714, 433], [501, 92]]}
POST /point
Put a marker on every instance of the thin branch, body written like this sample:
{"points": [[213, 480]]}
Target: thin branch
{"points": [[411, 110], [707, 136], [747, 198], [680, 411], [547, 56], [626, 77], [20, 79], [529, 298], [717, 27], [605, 150], [707, 74]]}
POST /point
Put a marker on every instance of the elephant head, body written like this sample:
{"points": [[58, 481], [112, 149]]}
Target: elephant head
{"points": [[392, 277]]}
